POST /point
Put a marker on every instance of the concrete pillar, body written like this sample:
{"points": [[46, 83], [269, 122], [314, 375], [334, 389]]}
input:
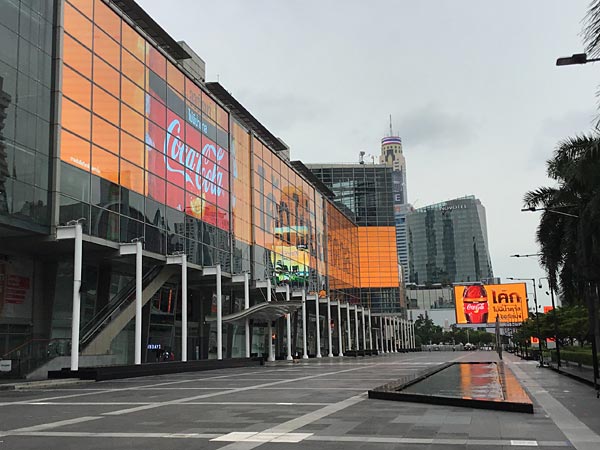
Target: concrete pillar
{"points": [[289, 325], [246, 306], [329, 330], [364, 327], [356, 327], [349, 333], [304, 346], [318, 326], [382, 333], [219, 315], [184, 308], [339, 328]]}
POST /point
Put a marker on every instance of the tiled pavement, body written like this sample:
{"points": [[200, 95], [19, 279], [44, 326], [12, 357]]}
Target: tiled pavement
{"points": [[319, 404]]}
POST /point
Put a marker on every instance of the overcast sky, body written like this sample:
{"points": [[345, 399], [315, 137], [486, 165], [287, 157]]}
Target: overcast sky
{"points": [[471, 85]]}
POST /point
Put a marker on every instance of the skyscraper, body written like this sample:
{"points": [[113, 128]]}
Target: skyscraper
{"points": [[448, 242], [366, 191], [392, 156]]}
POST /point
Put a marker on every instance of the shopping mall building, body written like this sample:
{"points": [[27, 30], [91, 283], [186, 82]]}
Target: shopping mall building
{"points": [[146, 214]]}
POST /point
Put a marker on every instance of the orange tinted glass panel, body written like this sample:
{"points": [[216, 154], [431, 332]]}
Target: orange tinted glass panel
{"points": [[76, 87], [222, 118], [132, 68], [175, 77], [378, 258], [156, 61], [106, 105], [74, 150], [85, 6], [75, 118], [105, 164], [132, 122], [106, 76], [78, 26], [209, 107], [192, 93], [132, 95], [132, 149], [132, 177], [106, 48], [105, 135], [77, 56], [133, 42], [107, 20]]}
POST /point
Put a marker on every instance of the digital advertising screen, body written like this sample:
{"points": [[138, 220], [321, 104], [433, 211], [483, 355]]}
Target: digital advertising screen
{"points": [[482, 303]]}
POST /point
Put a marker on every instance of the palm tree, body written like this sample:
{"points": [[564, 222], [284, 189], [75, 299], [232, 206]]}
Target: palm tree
{"points": [[569, 246]]}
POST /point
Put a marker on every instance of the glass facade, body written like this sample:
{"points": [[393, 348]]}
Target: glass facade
{"points": [[139, 148], [448, 243], [25, 86], [366, 192]]}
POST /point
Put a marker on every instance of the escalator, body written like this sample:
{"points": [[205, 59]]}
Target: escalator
{"points": [[98, 333]]}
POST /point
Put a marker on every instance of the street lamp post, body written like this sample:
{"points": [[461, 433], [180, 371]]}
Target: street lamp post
{"points": [[537, 319], [555, 318]]}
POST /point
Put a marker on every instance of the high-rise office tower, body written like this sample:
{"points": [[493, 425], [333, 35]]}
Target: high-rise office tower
{"points": [[448, 242], [392, 156]]}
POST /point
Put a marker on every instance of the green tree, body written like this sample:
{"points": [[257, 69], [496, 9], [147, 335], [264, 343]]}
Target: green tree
{"points": [[426, 331]]}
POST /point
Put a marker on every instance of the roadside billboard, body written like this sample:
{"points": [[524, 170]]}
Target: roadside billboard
{"points": [[482, 303]]}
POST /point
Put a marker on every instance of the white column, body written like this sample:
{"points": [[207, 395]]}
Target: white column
{"points": [[376, 337], [370, 331], [364, 328], [349, 337], [270, 329], [270, 341], [246, 306], [77, 263], [304, 349], [396, 328], [356, 327], [412, 334], [406, 335], [219, 315], [138, 302], [339, 327], [382, 335], [388, 340], [289, 325], [329, 331], [184, 308], [318, 326]]}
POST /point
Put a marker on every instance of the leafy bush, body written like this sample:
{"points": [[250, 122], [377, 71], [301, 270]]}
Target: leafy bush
{"points": [[579, 357]]}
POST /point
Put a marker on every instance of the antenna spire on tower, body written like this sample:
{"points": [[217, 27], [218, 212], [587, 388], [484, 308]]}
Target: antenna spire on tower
{"points": [[391, 131]]}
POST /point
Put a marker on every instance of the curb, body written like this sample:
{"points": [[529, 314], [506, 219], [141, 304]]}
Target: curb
{"points": [[41, 384]]}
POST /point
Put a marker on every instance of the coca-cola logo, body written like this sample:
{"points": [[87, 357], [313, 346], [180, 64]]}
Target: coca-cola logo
{"points": [[476, 307], [203, 169]]}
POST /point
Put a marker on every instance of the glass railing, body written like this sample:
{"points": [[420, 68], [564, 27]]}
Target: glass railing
{"points": [[32, 354]]}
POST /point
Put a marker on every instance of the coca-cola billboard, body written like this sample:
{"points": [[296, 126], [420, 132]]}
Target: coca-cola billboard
{"points": [[190, 161]]}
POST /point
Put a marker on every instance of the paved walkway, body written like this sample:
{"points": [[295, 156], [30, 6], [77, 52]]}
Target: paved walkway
{"points": [[319, 404]]}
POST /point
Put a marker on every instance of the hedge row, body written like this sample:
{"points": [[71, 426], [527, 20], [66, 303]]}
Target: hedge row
{"points": [[575, 357]]}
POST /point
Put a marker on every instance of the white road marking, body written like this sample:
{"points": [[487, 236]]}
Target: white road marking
{"points": [[50, 425], [132, 388], [228, 391]]}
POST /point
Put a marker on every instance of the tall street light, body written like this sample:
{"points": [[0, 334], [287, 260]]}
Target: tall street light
{"points": [[576, 58], [554, 316], [532, 208], [537, 319], [553, 305]]}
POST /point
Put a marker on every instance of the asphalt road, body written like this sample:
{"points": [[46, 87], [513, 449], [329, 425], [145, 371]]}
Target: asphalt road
{"points": [[318, 404]]}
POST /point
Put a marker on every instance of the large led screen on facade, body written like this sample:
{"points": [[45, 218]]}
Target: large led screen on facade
{"points": [[482, 303], [130, 116]]}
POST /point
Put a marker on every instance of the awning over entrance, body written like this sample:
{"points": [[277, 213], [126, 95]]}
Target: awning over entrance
{"points": [[262, 312]]}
